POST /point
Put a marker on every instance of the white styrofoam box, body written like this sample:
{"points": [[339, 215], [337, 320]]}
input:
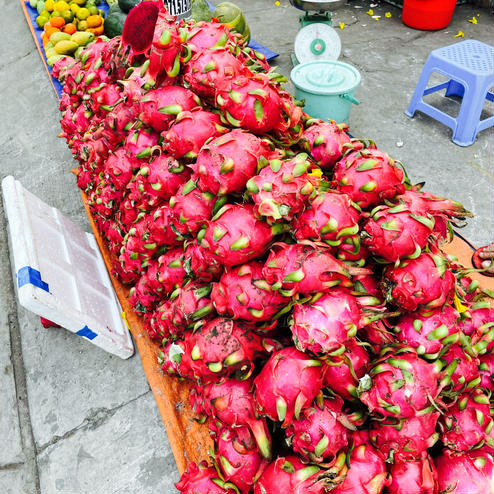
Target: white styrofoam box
{"points": [[60, 273]]}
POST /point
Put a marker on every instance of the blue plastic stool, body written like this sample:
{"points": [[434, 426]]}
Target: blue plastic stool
{"points": [[470, 67]]}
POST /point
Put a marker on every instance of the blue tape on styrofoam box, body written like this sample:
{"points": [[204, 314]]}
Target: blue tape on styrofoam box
{"points": [[87, 333], [30, 276]]}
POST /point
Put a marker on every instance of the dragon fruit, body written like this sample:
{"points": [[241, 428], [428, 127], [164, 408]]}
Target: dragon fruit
{"points": [[405, 439], [104, 199], [422, 282], [225, 164], [206, 35], [368, 176], [222, 347], [250, 102], [320, 432], [331, 218], [159, 107], [141, 142], [460, 369], [189, 132], [239, 458], [479, 314], [367, 473], [462, 473], [207, 67], [118, 121], [190, 209], [288, 474], [199, 264], [397, 233], [325, 324], [120, 167], [428, 331], [160, 231], [156, 182], [282, 189], [400, 384], [413, 477], [203, 479], [287, 384], [326, 142], [145, 295], [234, 235], [231, 402], [242, 293], [305, 267], [486, 369], [468, 422], [342, 372]]}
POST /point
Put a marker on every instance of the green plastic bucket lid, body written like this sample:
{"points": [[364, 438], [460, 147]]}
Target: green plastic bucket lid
{"points": [[325, 77]]}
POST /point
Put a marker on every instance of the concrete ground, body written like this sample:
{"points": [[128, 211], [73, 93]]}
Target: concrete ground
{"points": [[75, 420]]}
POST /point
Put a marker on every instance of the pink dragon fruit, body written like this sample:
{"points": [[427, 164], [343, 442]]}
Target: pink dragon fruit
{"points": [[234, 235], [418, 383], [288, 474], [170, 356], [205, 35], [102, 98], [282, 189], [460, 369], [120, 167], [342, 372], [239, 458], [118, 121], [326, 142], [207, 67], [397, 233], [368, 176], [190, 209], [331, 218], [199, 264], [189, 132], [160, 232], [405, 439], [231, 402], [462, 473], [104, 199], [145, 295], [352, 250], [250, 102], [242, 293], [156, 182], [479, 314], [221, 348], [414, 477], [159, 107], [324, 325], [367, 473], [320, 432], [428, 331], [202, 479], [287, 384], [468, 422], [486, 369], [305, 267], [141, 142], [422, 282], [225, 164], [158, 325], [114, 235]]}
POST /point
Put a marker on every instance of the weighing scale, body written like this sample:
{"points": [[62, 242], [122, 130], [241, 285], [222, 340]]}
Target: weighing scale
{"points": [[316, 40]]}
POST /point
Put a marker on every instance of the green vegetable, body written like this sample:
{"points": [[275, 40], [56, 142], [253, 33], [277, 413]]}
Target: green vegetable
{"points": [[114, 23], [232, 16], [126, 5], [200, 11]]}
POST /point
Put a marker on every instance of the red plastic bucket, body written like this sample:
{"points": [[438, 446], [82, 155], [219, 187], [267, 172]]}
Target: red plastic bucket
{"points": [[428, 15]]}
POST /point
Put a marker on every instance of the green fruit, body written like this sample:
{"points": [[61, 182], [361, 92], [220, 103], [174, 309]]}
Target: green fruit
{"points": [[200, 11], [59, 36], [50, 52], [231, 15], [114, 24], [40, 6], [41, 20], [66, 47], [54, 59], [33, 3], [126, 5], [82, 38]]}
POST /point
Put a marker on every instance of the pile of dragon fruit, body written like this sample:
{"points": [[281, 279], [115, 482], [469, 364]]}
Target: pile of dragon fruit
{"points": [[294, 274]]}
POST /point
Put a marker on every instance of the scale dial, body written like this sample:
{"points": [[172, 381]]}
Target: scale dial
{"points": [[317, 41]]}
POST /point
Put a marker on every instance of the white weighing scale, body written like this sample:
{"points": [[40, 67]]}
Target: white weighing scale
{"points": [[316, 40]]}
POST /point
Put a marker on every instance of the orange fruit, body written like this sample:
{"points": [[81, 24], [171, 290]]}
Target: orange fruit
{"points": [[69, 28], [57, 21], [50, 30]]}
